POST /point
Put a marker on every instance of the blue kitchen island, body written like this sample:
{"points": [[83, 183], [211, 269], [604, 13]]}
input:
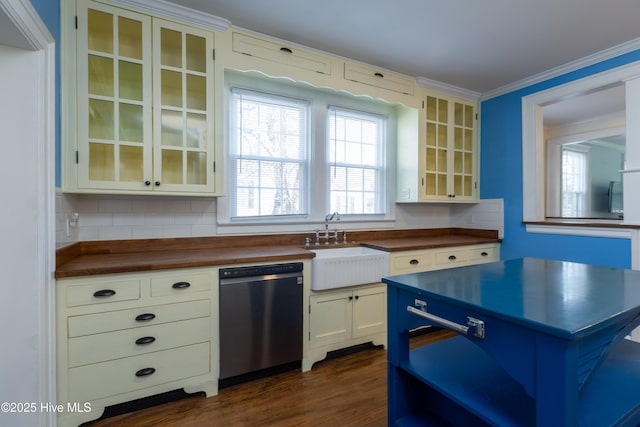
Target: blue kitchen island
{"points": [[540, 343]]}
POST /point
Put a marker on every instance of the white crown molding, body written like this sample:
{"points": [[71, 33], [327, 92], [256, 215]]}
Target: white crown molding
{"points": [[450, 89], [27, 22], [603, 55], [178, 12]]}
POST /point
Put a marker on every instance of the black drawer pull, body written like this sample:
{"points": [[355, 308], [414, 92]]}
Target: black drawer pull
{"points": [[145, 372], [452, 257], [379, 75], [104, 293], [145, 340], [144, 317], [286, 49], [414, 262], [484, 254], [181, 285]]}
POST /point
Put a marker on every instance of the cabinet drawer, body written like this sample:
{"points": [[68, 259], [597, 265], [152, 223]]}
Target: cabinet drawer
{"points": [[118, 376], [454, 256], [180, 284], [378, 78], [484, 254], [412, 262], [131, 342], [103, 292], [281, 53], [137, 317]]}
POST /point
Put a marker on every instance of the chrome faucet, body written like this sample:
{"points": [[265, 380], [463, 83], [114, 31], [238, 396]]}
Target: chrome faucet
{"points": [[330, 217], [328, 235]]}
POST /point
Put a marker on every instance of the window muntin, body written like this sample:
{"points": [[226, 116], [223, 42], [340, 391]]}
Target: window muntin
{"points": [[356, 162], [268, 150]]}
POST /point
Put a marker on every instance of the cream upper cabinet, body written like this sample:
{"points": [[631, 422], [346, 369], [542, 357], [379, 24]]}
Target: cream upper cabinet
{"points": [[443, 166], [245, 51], [143, 98], [283, 54], [378, 78]]}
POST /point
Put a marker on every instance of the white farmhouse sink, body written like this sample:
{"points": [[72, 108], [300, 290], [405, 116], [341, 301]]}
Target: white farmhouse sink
{"points": [[341, 267]]}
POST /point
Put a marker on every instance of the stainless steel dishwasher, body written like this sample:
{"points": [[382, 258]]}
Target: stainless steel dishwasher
{"points": [[260, 317]]}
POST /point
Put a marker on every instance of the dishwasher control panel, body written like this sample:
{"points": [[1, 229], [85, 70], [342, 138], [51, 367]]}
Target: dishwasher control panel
{"points": [[260, 270]]}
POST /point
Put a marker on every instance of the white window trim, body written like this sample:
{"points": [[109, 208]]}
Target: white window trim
{"points": [[232, 157], [533, 150], [317, 166]]}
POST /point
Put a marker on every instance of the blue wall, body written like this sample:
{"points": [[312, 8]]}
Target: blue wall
{"points": [[501, 177]]}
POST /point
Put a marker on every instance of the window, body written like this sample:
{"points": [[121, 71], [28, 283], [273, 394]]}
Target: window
{"points": [[574, 182], [269, 156], [295, 153], [356, 162]]}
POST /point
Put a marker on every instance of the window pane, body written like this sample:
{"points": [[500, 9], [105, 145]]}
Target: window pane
{"points": [[356, 146], [574, 183], [269, 148]]}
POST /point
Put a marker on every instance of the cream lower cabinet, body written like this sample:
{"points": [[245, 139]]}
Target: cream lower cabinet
{"points": [[437, 259], [122, 337], [343, 318]]}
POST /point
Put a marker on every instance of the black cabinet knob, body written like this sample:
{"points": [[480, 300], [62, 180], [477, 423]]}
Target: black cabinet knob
{"points": [[452, 258], [145, 372], [145, 340], [104, 293], [147, 183], [145, 317], [181, 285], [157, 183]]}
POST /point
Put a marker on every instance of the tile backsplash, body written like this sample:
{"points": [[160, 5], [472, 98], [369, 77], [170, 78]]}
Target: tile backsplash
{"points": [[116, 217]]}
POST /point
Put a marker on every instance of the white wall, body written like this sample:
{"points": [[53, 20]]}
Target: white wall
{"points": [[27, 357]]}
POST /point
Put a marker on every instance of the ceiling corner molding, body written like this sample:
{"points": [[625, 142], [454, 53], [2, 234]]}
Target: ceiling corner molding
{"points": [[603, 55], [445, 87], [33, 33], [178, 12]]}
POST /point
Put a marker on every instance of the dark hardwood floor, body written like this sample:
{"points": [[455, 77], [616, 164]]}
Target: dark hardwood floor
{"points": [[349, 390]]}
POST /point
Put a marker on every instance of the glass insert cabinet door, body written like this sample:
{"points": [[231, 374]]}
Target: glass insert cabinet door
{"points": [[449, 149], [114, 97], [144, 102], [183, 99]]}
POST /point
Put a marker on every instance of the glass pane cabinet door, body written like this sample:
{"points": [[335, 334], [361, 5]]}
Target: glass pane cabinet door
{"points": [[114, 98], [448, 150], [463, 152], [436, 147], [183, 108]]}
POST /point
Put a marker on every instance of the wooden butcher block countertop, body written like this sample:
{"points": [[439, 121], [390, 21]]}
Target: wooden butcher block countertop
{"points": [[124, 256]]}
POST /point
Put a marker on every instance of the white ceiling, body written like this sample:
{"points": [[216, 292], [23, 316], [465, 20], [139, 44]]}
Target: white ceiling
{"points": [[474, 45]]}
